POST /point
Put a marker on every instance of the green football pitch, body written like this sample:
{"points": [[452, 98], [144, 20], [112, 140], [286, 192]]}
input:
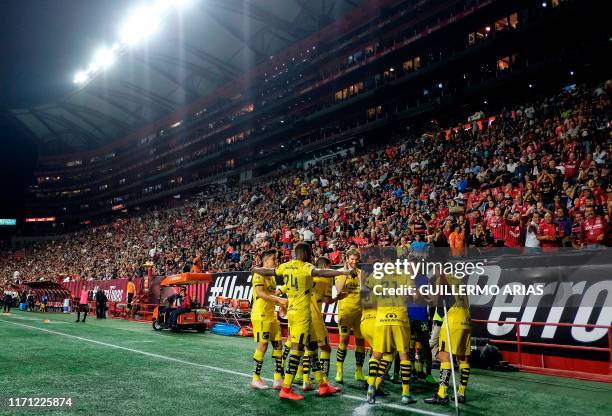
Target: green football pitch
{"points": [[116, 367]]}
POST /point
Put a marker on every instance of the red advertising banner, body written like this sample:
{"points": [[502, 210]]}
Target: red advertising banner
{"points": [[115, 289]]}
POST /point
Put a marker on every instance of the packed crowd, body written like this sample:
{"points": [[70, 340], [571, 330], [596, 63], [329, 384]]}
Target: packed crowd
{"points": [[537, 176]]}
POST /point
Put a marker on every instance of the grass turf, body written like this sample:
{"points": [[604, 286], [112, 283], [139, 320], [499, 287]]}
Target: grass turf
{"points": [[120, 367]]}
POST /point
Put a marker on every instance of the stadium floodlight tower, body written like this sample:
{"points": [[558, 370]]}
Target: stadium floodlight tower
{"points": [[142, 23]]}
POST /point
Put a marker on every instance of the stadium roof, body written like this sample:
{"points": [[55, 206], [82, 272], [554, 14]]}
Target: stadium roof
{"points": [[211, 44]]}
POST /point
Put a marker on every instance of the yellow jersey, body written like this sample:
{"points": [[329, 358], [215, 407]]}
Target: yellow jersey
{"points": [[322, 288], [263, 309], [392, 309], [297, 276], [352, 302], [459, 310], [368, 298]]}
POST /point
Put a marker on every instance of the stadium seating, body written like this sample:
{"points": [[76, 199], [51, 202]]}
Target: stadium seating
{"points": [[532, 159]]}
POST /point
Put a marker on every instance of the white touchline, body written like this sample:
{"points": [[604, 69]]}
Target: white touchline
{"points": [[210, 367]]}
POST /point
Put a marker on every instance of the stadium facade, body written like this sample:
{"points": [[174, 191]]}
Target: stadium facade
{"points": [[354, 83]]}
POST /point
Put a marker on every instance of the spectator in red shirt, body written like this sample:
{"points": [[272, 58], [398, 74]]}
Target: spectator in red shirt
{"points": [[489, 211], [594, 228], [514, 231], [360, 239], [336, 255], [287, 237], [519, 206], [599, 195], [548, 233], [497, 225], [571, 166]]}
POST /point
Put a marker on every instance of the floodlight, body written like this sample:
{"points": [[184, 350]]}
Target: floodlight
{"points": [[142, 23], [104, 58], [80, 77]]}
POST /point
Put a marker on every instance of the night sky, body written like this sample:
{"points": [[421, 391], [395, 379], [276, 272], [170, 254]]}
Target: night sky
{"points": [[42, 45]]}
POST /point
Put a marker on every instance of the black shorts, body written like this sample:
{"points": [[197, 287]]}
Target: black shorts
{"points": [[130, 297], [420, 329]]}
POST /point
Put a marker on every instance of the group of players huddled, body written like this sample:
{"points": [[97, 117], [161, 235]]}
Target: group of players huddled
{"points": [[392, 326]]}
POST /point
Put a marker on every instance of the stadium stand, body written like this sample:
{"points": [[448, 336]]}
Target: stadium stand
{"points": [[413, 120], [409, 124], [541, 168]]}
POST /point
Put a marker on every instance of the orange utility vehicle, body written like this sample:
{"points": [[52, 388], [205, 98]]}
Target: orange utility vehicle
{"points": [[198, 318]]}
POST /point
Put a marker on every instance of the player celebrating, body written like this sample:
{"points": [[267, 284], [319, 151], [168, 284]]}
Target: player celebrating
{"points": [[392, 333], [457, 324], [298, 275], [349, 318], [321, 293], [368, 328], [266, 326]]}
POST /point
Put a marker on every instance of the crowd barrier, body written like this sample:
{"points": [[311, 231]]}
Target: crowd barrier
{"points": [[540, 357]]}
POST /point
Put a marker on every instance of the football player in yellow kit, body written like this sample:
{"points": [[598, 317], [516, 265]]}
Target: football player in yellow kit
{"points": [[321, 294], [458, 324], [266, 326], [368, 327], [298, 276], [349, 318], [392, 331]]}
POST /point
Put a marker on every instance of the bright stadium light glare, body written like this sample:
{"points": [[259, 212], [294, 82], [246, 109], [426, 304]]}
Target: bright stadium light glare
{"points": [[104, 58], [93, 68], [141, 24], [182, 4], [80, 77], [162, 6]]}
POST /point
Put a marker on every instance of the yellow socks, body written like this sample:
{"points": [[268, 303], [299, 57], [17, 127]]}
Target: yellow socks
{"points": [[292, 366], [405, 371], [258, 357], [464, 370], [325, 358], [277, 356], [445, 373], [373, 371]]}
